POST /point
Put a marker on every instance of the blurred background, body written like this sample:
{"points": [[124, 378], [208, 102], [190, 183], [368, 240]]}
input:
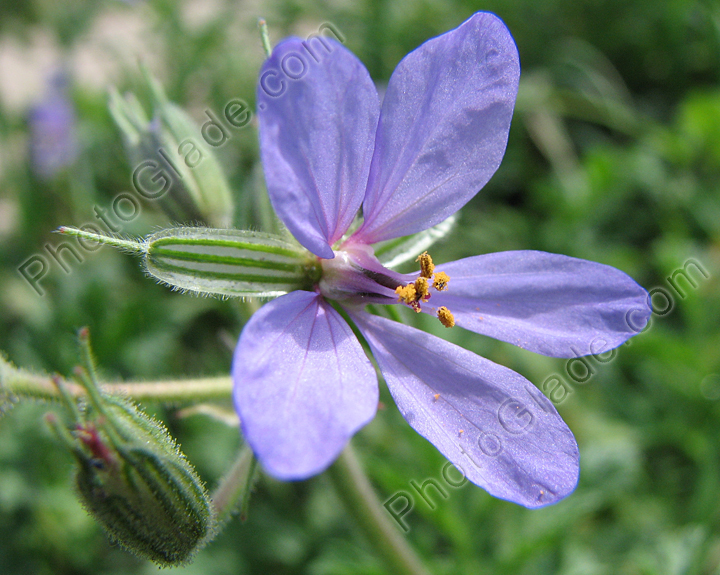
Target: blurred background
{"points": [[614, 156]]}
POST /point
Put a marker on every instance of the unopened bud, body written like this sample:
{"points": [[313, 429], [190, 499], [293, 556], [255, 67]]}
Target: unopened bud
{"points": [[172, 163], [133, 479]]}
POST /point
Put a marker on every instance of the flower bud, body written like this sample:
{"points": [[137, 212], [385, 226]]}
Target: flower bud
{"points": [[132, 478], [172, 163]]}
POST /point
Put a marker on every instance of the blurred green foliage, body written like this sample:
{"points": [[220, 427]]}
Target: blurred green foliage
{"points": [[614, 156]]}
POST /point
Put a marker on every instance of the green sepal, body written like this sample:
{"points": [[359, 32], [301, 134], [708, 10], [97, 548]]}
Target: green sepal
{"points": [[225, 262], [236, 263], [393, 253]]}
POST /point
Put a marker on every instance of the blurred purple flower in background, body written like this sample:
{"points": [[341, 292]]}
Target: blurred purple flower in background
{"points": [[303, 384], [53, 144]]}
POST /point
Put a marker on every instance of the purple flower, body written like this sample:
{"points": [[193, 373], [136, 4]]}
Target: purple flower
{"points": [[53, 144], [303, 384]]}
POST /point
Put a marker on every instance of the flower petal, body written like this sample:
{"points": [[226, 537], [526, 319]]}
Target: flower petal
{"points": [[303, 385], [491, 423], [318, 110], [443, 128], [548, 303]]}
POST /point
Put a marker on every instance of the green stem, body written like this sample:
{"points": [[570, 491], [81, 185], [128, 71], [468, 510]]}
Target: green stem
{"points": [[176, 391], [353, 487], [249, 482], [234, 488], [265, 37], [132, 246], [24, 384]]}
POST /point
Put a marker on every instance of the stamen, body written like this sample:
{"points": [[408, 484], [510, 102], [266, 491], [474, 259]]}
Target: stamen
{"points": [[422, 289], [406, 294], [445, 316], [426, 265], [441, 281], [413, 294], [382, 279]]}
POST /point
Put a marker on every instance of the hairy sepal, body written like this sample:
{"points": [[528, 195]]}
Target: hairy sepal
{"points": [[233, 263]]}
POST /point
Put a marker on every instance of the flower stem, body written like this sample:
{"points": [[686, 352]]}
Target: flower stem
{"points": [[129, 245], [175, 391], [234, 488], [353, 487], [23, 384], [265, 37]]}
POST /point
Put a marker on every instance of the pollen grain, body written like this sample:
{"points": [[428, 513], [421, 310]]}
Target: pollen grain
{"points": [[422, 289], [417, 292], [406, 294], [445, 316], [426, 265], [441, 280]]}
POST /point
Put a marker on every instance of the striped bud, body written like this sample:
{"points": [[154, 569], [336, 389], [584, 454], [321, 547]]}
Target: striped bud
{"points": [[132, 477], [229, 262]]}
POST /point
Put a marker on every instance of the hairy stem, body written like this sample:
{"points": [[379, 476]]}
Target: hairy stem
{"points": [[23, 384], [127, 244]]}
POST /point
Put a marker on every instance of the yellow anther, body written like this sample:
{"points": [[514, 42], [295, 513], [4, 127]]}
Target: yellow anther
{"points": [[418, 292], [445, 316], [422, 289], [406, 294], [426, 265], [441, 281]]}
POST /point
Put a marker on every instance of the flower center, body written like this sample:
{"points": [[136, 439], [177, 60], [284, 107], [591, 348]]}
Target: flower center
{"points": [[356, 277], [417, 292]]}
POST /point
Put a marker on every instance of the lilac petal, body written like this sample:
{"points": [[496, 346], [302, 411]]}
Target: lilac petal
{"points": [[303, 385], [443, 128], [548, 303], [318, 111], [497, 428]]}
